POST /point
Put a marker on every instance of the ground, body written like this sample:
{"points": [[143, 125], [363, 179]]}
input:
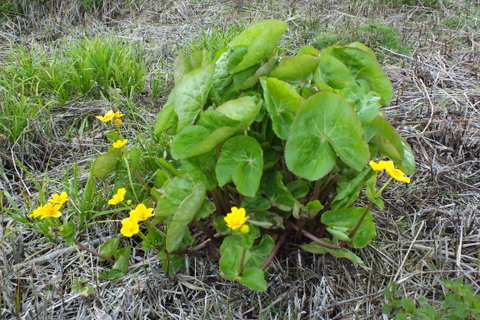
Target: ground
{"points": [[428, 231]]}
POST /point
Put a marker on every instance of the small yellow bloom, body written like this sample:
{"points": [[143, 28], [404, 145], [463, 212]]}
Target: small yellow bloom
{"points": [[59, 198], [245, 229], [389, 167], [117, 115], [141, 213], [118, 197], [47, 211], [129, 227], [36, 213], [397, 174], [236, 218], [118, 122], [120, 143], [109, 116]]}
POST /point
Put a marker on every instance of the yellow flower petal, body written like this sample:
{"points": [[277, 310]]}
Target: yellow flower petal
{"points": [[118, 197], [141, 213], [59, 198], [398, 175], [117, 115], [129, 227], [118, 122], [236, 218], [50, 211], [119, 144], [107, 117]]}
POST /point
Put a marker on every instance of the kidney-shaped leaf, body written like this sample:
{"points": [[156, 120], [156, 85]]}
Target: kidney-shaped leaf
{"points": [[185, 211], [363, 66], [260, 40], [243, 110], [191, 92], [281, 102], [325, 126], [241, 160], [196, 140], [297, 68]]}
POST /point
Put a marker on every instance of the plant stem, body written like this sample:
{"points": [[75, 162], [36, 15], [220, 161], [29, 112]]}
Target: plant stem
{"points": [[316, 190], [275, 250], [313, 237], [205, 230], [379, 192], [359, 223], [364, 214], [95, 253], [242, 261]]}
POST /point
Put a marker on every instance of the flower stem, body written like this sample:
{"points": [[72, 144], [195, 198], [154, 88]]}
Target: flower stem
{"points": [[359, 223], [379, 192], [275, 250], [95, 253], [205, 230], [313, 237], [242, 261]]}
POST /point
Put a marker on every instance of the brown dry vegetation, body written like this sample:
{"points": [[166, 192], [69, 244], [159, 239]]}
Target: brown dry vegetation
{"points": [[429, 230]]}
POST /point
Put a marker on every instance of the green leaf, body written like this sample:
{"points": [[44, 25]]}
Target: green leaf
{"points": [[241, 160], [325, 126], [106, 163], [331, 74], [348, 218], [185, 212], [257, 203], [281, 102], [264, 69], [166, 119], [371, 191], [390, 143], [277, 192], [312, 208], [195, 140], [362, 47], [363, 67], [230, 255], [122, 259], [309, 50], [191, 93], [243, 110], [317, 248], [203, 168], [254, 279], [222, 77], [339, 234], [348, 188], [299, 188], [109, 247], [67, 231], [260, 40], [111, 274], [297, 68], [212, 120], [236, 57], [185, 64]]}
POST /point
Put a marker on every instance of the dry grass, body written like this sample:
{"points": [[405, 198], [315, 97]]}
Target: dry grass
{"points": [[427, 232]]}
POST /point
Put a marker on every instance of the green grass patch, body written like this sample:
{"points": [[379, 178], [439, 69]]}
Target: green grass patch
{"points": [[374, 35]]}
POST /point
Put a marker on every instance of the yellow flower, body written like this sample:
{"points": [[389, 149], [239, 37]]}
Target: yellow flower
{"points": [[129, 227], [120, 143], [245, 229], [397, 174], [389, 167], [59, 198], [236, 218], [117, 115], [109, 116], [47, 211], [36, 213], [118, 197], [141, 213], [118, 122]]}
